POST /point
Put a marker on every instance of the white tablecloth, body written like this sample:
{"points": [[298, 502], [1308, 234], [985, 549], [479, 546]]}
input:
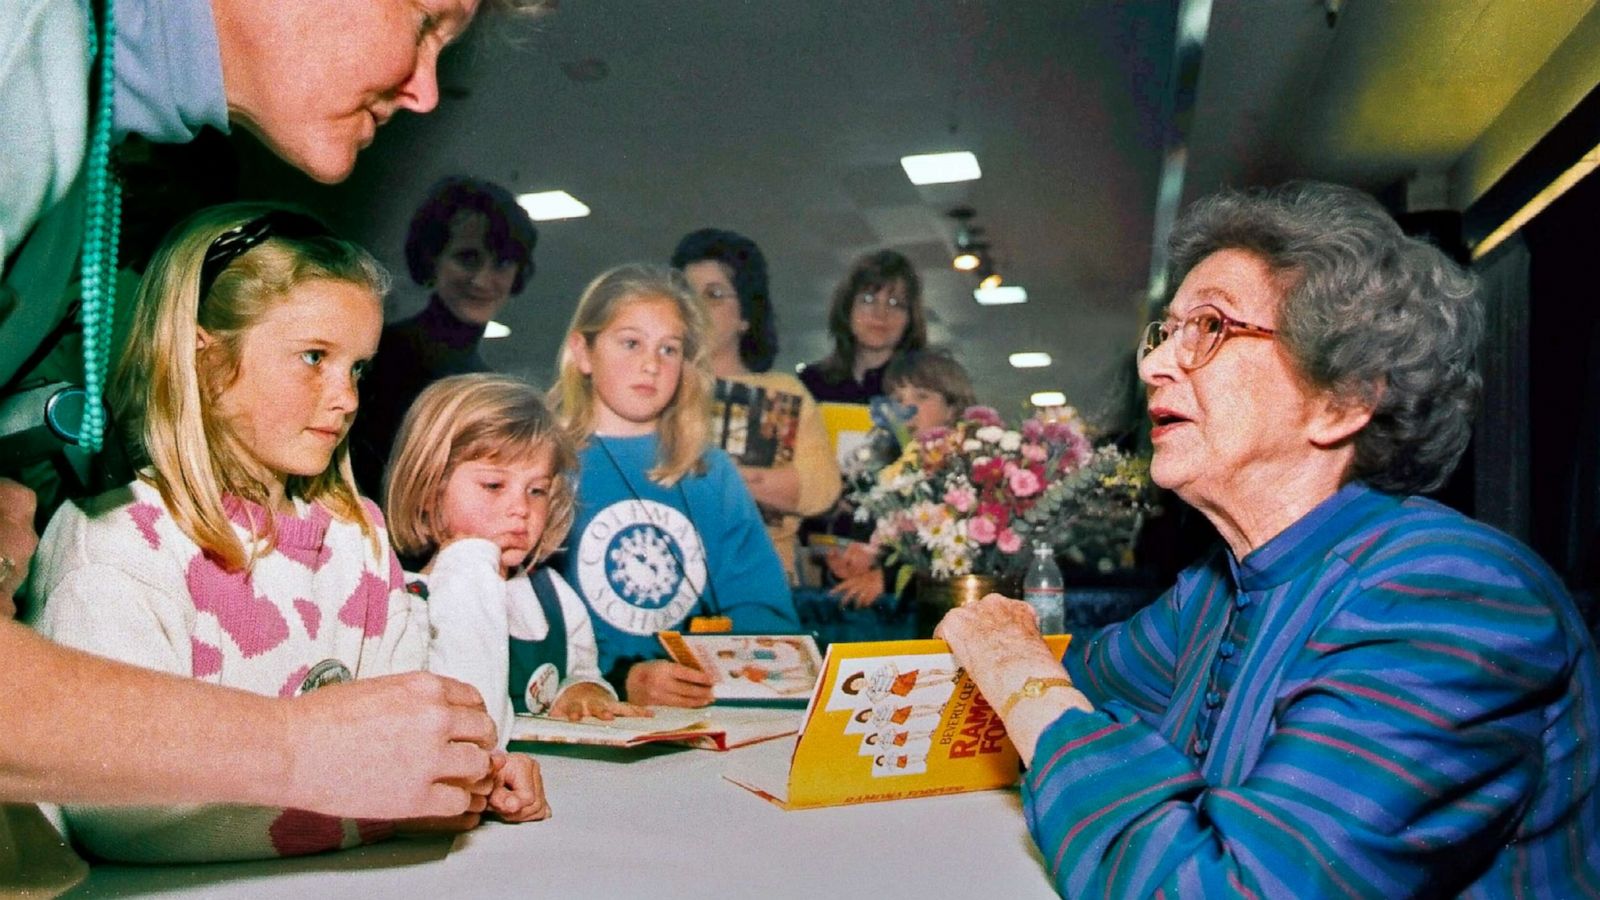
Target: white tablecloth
{"points": [[659, 823]]}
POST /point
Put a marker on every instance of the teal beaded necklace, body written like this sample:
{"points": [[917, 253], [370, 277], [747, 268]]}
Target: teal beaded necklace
{"points": [[103, 215]]}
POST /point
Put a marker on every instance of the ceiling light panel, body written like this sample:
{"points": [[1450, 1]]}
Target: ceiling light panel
{"points": [[549, 206], [941, 168], [1048, 398], [1001, 296], [1030, 360]]}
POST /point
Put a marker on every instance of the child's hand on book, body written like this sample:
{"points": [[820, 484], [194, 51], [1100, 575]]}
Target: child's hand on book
{"points": [[589, 699], [661, 682], [518, 794]]}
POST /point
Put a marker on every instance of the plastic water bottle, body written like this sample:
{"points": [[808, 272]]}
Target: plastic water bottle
{"points": [[1043, 590]]}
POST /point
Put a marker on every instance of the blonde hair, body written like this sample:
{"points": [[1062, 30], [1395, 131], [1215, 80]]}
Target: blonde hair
{"points": [[684, 428], [464, 418], [165, 390]]}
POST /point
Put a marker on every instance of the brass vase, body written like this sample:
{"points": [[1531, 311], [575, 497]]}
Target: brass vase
{"points": [[937, 596]]}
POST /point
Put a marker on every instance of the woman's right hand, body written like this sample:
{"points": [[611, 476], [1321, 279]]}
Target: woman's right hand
{"points": [[661, 682], [432, 735]]}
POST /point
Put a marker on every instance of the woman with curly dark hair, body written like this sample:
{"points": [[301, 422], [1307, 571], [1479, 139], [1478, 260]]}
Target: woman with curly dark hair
{"points": [[473, 245], [1361, 692]]}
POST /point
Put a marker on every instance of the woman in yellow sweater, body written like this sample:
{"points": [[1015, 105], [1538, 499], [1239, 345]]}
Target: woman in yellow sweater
{"points": [[729, 274]]}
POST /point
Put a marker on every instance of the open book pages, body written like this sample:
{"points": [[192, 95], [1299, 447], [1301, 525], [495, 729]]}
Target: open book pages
{"points": [[709, 728], [889, 720], [753, 667]]}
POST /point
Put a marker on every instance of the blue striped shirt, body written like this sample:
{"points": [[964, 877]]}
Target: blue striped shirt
{"points": [[1387, 699]]}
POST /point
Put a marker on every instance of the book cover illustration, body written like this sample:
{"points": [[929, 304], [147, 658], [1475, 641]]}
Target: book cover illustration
{"points": [[756, 426], [714, 728], [755, 667], [889, 720]]}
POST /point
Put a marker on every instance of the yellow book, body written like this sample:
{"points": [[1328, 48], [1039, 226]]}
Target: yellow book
{"points": [[848, 425], [889, 720]]}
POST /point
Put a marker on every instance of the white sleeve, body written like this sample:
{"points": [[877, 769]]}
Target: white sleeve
{"points": [[583, 654], [94, 602], [469, 630], [403, 646]]}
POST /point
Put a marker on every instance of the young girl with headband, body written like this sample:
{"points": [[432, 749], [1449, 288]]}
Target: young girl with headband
{"points": [[666, 533], [481, 487], [242, 554]]}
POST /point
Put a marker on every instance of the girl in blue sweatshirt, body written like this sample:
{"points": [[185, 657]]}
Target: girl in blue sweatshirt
{"points": [[665, 532]]}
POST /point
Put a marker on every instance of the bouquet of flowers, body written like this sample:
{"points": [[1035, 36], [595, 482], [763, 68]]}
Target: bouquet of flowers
{"points": [[975, 498]]}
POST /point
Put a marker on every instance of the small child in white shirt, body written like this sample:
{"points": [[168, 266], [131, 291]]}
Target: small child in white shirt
{"points": [[481, 485]]}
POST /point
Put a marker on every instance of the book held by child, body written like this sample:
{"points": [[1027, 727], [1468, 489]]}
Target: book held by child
{"points": [[759, 668]]}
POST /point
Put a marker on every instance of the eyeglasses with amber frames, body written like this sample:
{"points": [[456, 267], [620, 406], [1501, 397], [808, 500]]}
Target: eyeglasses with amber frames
{"points": [[1200, 335]]}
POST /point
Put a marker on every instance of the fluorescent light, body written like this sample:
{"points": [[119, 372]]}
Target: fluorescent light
{"points": [[965, 261], [1000, 296], [1048, 398], [1574, 174], [548, 206], [1030, 360], [941, 168], [496, 330]]}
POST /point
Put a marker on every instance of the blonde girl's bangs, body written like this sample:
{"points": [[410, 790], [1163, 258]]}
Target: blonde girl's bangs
{"points": [[684, 427], [464, 418], [163, 388]]}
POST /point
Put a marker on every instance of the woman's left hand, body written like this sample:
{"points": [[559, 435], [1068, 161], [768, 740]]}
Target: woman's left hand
{"points": [[589, 699], [997, 641], [518, 794]]}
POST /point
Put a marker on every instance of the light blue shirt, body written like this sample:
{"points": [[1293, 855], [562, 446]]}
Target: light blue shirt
{"points": [[169, 71]]}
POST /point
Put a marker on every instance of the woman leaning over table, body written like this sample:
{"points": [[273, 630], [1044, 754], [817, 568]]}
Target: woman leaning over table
{"points": [[1362, 693]]}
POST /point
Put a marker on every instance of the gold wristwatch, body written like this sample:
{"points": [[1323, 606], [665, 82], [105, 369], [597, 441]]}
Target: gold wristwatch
{"points": [[1032, 689]]}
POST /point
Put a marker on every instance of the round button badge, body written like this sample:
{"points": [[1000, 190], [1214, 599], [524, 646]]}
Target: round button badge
{"points": [[543, 686], [329, 671]]}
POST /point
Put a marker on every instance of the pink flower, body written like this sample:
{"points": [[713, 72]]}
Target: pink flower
{"points": [[988, 473], [994, 512], [983, 415], [1008, 541], [982, 530], [1023, 482], [1033, 430], [1035, 453], [960, 498]]}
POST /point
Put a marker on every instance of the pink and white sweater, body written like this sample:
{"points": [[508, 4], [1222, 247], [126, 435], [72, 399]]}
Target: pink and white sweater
{"points": [[117, 577]]}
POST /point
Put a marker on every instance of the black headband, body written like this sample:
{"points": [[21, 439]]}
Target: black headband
{"points": [[235, 242]]}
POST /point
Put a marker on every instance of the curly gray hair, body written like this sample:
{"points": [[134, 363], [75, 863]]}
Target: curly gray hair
{"points": [[1368, 314]]}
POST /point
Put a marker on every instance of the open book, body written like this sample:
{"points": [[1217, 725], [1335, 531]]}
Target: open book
{"points": [[889, 720], [755, 425], [711, 728], [770, 668]]}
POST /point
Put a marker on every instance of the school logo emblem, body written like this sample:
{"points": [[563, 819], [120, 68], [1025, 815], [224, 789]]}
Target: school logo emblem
{"points": [[642, 566]]}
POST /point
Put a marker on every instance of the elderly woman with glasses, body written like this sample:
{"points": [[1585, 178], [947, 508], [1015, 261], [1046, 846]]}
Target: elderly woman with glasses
{"points": [[1361, 692]]}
